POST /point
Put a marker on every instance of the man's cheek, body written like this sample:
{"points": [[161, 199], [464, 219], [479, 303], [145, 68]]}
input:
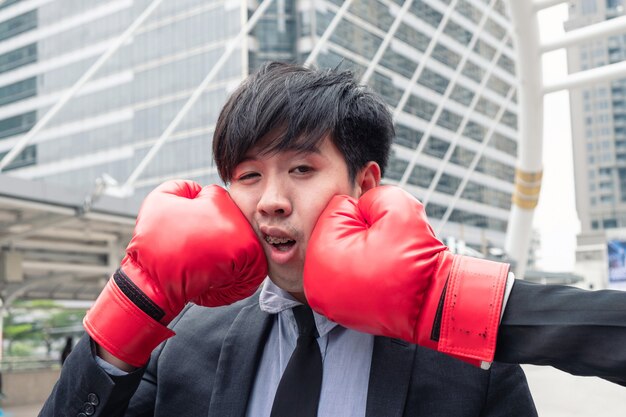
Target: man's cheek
{"points": [[244, 206]]}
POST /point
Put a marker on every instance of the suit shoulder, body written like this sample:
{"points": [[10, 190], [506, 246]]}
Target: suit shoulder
{"points": [[196, 319]]}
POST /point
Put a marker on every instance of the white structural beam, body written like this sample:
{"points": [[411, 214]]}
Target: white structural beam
{"points": [[543, 4], [60, 246], [530, 125], [616, 26], [584, 78], [54, 278], [36, 228], [21, 144], [66, 267], [230, 48]]}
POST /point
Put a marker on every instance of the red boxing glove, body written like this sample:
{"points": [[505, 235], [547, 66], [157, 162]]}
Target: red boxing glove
{"points": [[374, 265], [190, 244]]}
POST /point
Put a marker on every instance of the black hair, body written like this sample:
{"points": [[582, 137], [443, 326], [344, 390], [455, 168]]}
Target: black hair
{"points": [[304, 105]]}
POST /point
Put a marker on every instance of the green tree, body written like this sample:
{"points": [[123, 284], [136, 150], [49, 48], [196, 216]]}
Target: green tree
{"points": [[29, 325]]}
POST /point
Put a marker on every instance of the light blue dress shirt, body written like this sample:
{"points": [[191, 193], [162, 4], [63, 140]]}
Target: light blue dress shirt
{"points": [[346, 357]]}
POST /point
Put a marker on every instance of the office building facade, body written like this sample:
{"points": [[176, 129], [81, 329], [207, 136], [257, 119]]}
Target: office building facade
{"points": [[598, 119], [446, 69]]}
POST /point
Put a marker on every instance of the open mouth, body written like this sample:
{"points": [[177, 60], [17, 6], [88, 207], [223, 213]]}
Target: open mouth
{"points": [[280, 243]]}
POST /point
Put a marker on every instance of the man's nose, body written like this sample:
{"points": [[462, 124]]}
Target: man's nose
{"points": [[275, 201]]}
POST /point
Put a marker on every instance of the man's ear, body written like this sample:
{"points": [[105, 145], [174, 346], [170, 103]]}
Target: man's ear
{"points": [[367, 178]]}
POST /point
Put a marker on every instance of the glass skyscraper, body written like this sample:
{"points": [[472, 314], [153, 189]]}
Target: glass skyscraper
{"points": [[446, 68], [598, 114]]}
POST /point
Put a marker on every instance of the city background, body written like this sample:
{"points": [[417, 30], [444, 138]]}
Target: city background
{"points": [[100, 101]]}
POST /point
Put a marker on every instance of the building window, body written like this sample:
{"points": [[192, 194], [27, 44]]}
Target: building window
{"points": [[18, 24], [435, 211], [17, 124], [384, 86], [7, 3], [436, 147], [510, 120], [458, 33], [507, 64], [504, 144], [468, 11], [398, 63], [421, 176], [420, 107], [448, 184], [27, 157], [449, 120], [446, 56], [609, 223], [426, 13], [18, 91], [407, 137], [473, 71], [18, 57], [462, 156], [462, 95], [498, 85], [395, 169], [434, 81], [474, 131], [412, 37]]}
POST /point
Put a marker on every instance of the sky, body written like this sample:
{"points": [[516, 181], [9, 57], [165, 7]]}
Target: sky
{"points": [[555, 216]]}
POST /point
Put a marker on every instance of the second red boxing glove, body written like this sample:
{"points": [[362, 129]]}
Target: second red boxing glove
{"points": [[375, 265], [189, 244]]}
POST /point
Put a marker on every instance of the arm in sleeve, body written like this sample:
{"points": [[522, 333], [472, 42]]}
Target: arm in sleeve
{"points": [[85, 387], [577, 331]]}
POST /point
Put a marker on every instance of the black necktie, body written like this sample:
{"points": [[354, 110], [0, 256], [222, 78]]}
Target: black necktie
{"points": [[298, 392]]}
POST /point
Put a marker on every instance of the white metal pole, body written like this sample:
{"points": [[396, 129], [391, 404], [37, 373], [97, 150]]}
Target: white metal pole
{"points": [[19, 146], [2, 312], [530, 123], [195, 96], [588, 77], [615, 26]]}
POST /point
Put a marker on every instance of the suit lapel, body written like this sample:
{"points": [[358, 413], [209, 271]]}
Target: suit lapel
{"points": [[390, 375], [238, 362]]}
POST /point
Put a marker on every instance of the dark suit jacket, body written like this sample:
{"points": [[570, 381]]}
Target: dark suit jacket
{"points": [[208, 369], [580, 332]]}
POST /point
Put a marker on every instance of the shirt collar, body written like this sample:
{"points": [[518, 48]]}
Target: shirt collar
{"points": [[275, 300]]}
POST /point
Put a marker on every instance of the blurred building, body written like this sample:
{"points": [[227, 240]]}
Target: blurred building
{"points": [[598, 116], [455, 57]]}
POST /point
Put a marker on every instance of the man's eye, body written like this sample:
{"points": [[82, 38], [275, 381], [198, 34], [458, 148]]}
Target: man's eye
{"points": [[302, 169], [247, 176]]}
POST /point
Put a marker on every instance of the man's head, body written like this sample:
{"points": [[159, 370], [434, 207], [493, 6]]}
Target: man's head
{"points": [[287, 141]]}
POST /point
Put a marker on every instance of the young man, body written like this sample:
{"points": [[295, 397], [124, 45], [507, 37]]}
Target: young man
{"points": [[287, 142]]}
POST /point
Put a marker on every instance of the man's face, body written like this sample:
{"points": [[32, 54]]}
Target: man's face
{"points": [[282, 195]]}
